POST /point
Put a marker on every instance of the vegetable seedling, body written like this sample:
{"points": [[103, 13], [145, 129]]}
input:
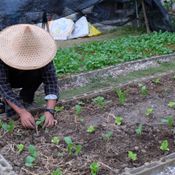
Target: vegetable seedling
{"points": [[20, 148], [143, 89], [91, 129], [156, 81], [118, 120], [71, 147], [121, 96], [99, 101], [95, 168], [55, 140], [29, 160], [40, 120], [164, 145], [139, 130], [171, 104], [107, 135], [9, 127], [169, 121], [56, 172], [78, 110], [132, 156], [59, 108], [149, 111]]}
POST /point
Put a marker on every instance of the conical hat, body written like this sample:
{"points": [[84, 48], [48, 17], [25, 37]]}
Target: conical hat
{"points": [[26, 47]]}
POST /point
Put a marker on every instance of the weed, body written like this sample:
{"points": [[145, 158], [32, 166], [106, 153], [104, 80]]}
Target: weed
{"points": [[149, 111], [78, 149], [121, 95], [91, 129], [164, 146], [55, 140], [139, 130], [99, 101], [95, 168], [118, 120], [78, 110], [20, 147], [132, 156]]}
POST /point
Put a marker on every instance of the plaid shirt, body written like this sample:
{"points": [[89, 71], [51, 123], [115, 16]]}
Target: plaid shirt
{"points": [[48, 76]]}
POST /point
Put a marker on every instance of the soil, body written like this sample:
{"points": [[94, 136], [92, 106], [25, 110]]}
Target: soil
{"points": [[111, 153]]}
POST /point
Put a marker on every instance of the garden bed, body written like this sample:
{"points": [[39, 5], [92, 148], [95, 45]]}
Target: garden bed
{"points": [[115, 122]]}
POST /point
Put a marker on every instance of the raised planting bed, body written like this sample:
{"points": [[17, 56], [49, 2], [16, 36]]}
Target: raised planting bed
{"points": [[98, 133]]}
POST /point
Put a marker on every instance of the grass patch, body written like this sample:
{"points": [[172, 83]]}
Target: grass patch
{"points": [[100, 54]]}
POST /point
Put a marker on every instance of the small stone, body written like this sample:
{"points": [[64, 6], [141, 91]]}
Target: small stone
{"points": [[143, 151], [136, 148]]}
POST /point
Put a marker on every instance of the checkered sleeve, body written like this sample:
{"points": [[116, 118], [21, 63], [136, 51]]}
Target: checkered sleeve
{"points": [[6, 91], [50, 80]]}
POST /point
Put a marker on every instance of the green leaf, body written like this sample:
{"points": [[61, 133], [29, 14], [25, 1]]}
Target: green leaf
{"points": [[121, 95], [149, 111], [139, 130], [20, 147], [78, 149], [91, 129], [132, 155], [164, 145], [56, 172], [32, 151], [41, 120], [59, 108], [95, 168], [29, 161], [118, 120], [171, 104], [55, 140]]}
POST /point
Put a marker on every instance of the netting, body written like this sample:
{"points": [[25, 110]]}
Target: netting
{"points": [[102, 11]]}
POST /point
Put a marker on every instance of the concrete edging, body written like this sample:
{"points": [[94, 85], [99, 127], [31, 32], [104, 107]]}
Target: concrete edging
{"points": [[78, 80]]}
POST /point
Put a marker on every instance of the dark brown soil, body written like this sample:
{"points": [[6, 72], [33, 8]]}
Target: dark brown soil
{"points": [[110, 153]]}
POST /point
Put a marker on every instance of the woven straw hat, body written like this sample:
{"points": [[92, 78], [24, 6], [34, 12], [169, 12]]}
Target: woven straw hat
{"points": [[26, 47]]}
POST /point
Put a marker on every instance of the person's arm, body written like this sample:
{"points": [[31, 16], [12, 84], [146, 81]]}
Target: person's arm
{"points": [[51, 91], [12, 99]]}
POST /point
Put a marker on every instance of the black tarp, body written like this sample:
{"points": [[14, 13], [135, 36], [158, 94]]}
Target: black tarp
{"points": [[123, 11]]}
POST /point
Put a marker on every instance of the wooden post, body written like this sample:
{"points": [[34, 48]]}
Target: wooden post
{"points": [[145, 17]]}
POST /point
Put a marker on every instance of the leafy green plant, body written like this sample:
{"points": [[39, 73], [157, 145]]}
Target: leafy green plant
{"points": [[143, 89], [59, 108], [164, 145], [99, 101], [78, 110], [171, 104], [156, 81], [139, 130], [40, 120], [20, 147], [56, 172], [118, 120], [9, 127], [71, 147], [94, 168], [169, 120], [149, 111], [78, 149], [55, 140], [121, 95], [31, 158], [108, 135], [132, 156], [91, 129]]}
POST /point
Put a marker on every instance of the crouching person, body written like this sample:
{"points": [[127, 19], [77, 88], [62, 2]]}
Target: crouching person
{"points": [[26, 54]]}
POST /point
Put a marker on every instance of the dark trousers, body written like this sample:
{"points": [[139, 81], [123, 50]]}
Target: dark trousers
{"points": [[28, 80]]}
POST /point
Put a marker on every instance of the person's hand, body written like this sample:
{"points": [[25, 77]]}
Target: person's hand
{"points": [[49, 120], [27, 120]]}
